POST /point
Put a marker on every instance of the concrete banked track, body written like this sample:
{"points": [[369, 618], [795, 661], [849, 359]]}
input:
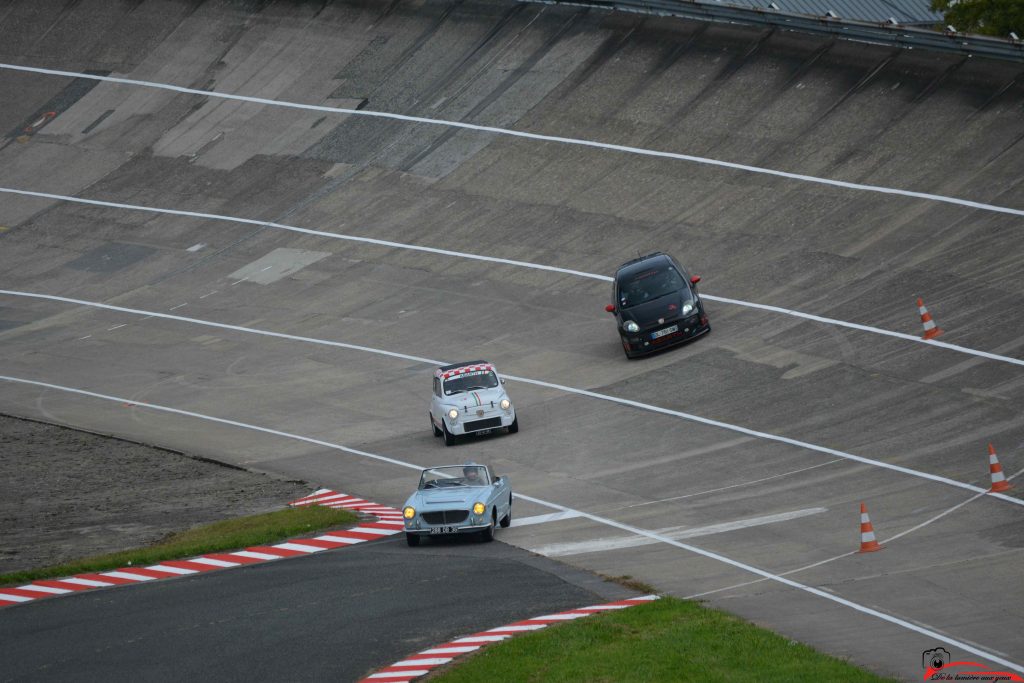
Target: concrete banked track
{"points": [[842, 111]]}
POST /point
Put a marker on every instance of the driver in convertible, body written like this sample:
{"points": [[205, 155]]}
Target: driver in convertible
{"points": [[472, 475]]}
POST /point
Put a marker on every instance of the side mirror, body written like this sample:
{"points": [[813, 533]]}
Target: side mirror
{"points": [[497, 481], [610, 308], [502, 380], [695, 279]]}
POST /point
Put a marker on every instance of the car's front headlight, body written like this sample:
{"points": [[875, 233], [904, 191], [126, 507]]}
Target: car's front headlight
{"points": [[409, 512], [479, 508], [505, 404], [453, 414], [687, 308], [631, 326]]}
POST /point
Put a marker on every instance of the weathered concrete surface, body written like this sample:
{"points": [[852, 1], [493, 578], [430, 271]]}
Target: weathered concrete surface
{"points": [[851, 112], [66, 494]]}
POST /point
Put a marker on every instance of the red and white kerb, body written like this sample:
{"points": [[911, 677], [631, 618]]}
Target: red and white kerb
{"points": [[421, 663], [455, 372], [389, 521]]}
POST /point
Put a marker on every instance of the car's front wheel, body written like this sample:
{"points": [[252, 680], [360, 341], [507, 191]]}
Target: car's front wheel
{"points": [[412, 539], [506, 521], [433, 427], [514, 427], [449, 438], [487, 535]]}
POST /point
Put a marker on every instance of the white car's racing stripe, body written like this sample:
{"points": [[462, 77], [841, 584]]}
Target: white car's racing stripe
{"points": [[917, 628]]}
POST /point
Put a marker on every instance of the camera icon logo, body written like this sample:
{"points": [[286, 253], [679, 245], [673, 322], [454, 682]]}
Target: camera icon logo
{"points": [[934, 659]]}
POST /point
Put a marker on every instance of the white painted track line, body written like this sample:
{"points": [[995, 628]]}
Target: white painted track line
{"points": [[304, 231], [868, 328], [917, 628], [579, 142], [883, 542], [542, 519], [767, 436], [509, 262], [548, 385], [731, 486], [594, 545]]}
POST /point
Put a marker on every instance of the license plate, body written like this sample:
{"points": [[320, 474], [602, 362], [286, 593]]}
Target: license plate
{"points": [[662, 333], [444, 529]]}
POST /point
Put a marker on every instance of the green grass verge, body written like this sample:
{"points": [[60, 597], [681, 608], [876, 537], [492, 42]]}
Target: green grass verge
{"points": [[666, 640], [229, 534]]}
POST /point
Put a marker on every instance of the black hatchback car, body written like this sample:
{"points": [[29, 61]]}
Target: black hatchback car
{"points": [[656, 305]]}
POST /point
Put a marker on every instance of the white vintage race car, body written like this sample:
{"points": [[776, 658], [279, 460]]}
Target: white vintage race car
{"points": [[469, 398]]}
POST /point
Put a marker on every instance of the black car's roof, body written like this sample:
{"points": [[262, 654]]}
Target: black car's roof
{"points": [[462, 365], [634, 265]]}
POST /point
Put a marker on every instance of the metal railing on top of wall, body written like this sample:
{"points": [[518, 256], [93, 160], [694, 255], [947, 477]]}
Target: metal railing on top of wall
{"points": [[845, 29]]}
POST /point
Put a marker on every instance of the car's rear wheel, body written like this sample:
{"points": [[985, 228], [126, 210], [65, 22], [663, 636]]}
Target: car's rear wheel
{"points": [[514, 427], [449, 438], [507, 519], [412, 539], [433, 427]]}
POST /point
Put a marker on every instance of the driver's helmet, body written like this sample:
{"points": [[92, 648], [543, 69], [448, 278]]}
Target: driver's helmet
{"points": [[471, 472]]}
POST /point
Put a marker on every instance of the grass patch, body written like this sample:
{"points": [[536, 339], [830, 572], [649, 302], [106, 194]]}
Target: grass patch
{"points": [[229, 534], [665, 640]]}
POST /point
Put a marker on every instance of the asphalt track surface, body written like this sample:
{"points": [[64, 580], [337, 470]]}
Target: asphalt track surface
{"points": [[701, 507], [333, 616]]}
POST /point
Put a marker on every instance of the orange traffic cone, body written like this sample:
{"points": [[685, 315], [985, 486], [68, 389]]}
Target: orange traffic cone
{"points": [[868, 544], [999, 483], [930, 329]]}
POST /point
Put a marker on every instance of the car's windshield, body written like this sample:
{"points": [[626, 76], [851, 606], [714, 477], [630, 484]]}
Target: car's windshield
{"points": [[456, 475], [470, 381], [647, 285]]}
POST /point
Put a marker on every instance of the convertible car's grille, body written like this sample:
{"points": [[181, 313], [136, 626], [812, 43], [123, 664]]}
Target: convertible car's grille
{"points": [[445, 517], [489, 423]]}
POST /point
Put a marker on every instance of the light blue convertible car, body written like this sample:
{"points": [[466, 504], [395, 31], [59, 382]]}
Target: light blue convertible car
{"points": [[458, 499]]}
